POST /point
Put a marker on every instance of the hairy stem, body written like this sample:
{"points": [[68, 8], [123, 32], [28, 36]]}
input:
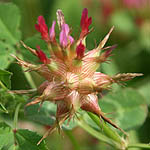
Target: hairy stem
{"points": [[16, 115], [97, 134], [139, 145]]}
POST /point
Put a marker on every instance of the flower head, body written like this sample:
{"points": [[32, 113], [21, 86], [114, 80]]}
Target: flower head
{"points": [[70, 73]]}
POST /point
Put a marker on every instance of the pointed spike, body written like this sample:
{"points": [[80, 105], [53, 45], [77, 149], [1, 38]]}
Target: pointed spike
{"points": [[36, 101], [103, 42], [33, 51], [110, 122], [60, 18]]}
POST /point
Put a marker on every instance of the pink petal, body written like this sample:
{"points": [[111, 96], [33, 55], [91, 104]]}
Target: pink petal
{"points": [[52, 31], [64, 37]]}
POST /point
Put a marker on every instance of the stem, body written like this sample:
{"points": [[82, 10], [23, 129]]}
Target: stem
{"points": [[107, 130], [96, 134], [16, 116], [74, 142], [139, 145], [3, 86]]}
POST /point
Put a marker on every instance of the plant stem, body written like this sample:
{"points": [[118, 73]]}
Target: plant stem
{"points": [[106, 129], [74, 142], [139, 145], [16, 116], [3, 86], [96, 134]]}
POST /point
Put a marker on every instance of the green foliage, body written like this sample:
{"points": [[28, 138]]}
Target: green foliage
{"points": [[19, 139], [123, 22], [9, 33], [128, 107], [5, 78], [28, 140], [6, 136]]}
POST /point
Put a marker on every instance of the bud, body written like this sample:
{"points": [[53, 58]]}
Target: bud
{"points": [[85, 23], [125, 76], [42, 28]]}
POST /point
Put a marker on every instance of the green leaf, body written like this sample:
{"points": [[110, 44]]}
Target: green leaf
{"points": [[128, 107], [8, 102], [9, 32], [20, 140], [6, 136], [143, 88], [27, 140], [5, 78]]}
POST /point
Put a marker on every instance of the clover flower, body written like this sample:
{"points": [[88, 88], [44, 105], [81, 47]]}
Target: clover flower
{"points": [[71, 80]]}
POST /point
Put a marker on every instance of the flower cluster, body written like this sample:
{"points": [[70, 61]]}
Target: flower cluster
{"points": [[70, 73]]}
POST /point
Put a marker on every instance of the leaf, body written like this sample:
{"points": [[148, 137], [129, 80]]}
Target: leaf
{"points": [[143, 88], [128, 106], [20, 140], [8, 101], [27, 140], [9, 32], [6, 135], [5, 78]]}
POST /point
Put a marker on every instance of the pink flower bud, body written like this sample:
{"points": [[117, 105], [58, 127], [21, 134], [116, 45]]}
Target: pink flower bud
{"points": [[43, 58], [85, 22], [52, 32], [90, 103], [42, 28], [80, 51]]}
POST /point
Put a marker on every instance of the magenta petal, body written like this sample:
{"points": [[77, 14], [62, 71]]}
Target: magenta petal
{"points": [[84, 16], [71, 39], [52, 31], [85, 21], [80, 50], [63, 36]]}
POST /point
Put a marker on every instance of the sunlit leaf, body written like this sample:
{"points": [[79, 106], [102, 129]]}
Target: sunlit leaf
{"points": [[9, 32]]}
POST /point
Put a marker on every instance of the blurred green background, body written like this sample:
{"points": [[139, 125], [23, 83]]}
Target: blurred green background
{"points": [[131, 34]]}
